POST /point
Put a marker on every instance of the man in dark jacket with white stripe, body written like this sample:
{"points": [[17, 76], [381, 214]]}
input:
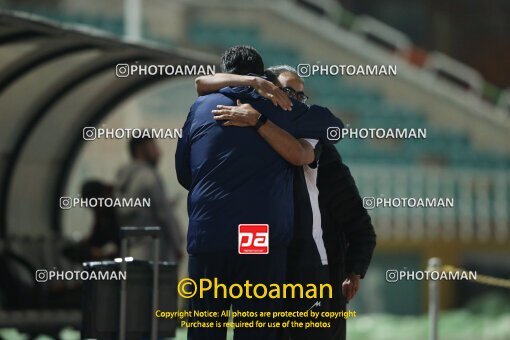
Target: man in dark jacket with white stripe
{"points": [[347, 228]]}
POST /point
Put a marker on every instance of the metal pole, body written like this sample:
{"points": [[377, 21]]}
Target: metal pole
{"points": [[434, 265], [133, 20], [155, 290], [123, 290]]}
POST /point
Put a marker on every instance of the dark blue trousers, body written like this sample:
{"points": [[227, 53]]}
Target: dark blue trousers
{"points": [[229, 268]]}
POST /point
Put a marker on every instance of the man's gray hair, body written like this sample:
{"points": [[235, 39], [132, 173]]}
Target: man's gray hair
{"points": [[279, 69]]}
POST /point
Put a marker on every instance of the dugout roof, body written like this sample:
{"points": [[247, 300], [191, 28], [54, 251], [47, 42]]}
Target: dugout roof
{"points": [[55, 80]]}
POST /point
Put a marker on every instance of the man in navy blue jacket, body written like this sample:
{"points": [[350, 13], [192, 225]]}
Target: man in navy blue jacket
{"points": [[235, 177]]}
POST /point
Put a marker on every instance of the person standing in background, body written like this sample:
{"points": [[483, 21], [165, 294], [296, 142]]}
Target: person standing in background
{"points": [[140, 179]]}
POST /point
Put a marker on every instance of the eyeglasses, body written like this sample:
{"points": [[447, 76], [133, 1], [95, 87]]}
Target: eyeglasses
{"points": [[299, 96]]}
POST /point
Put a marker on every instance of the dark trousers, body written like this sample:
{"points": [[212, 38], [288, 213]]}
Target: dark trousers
{"points": [[339, 302], [317, 275], [229, 268]]}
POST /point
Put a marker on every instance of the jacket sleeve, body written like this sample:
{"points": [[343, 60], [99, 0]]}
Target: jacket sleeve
{"points": [[342, 199], [182, 155], [317, 122]]}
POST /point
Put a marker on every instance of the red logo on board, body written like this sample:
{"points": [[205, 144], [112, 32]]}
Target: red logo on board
{"points": [[253, 239]]}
